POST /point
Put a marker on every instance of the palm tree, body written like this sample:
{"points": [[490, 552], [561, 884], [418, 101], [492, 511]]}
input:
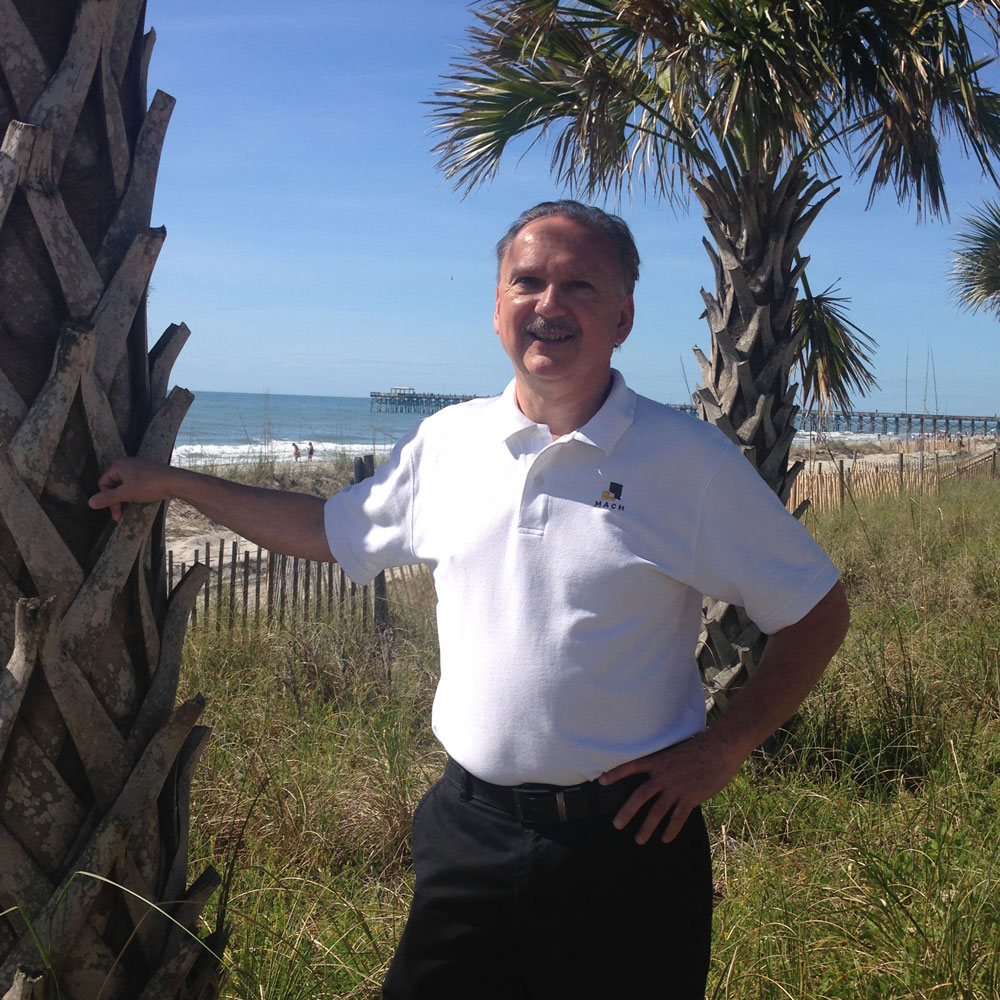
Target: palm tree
{"points": [[976, 271], [745, 104], [95, 760]]}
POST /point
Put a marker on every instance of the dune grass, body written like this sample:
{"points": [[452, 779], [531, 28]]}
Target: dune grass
{"points": [[861, 860], [322, 477], [321, 748]]}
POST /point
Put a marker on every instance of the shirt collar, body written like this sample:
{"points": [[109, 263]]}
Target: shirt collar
{"points": [[508, 416], [603, 429]]}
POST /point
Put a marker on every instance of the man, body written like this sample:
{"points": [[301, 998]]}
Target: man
{"points": [[572, 528]]}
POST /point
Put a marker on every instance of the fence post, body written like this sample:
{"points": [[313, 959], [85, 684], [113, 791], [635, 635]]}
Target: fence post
{"points": [[364, 468], [218, 586], [256, 589], [283, 587], [901, 460], [246, 584], [232, 585], [208, 579], [840, 482], [194, 604], [272, 579]]}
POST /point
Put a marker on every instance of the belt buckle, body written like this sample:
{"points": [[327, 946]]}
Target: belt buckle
{"points": [[561, 805], [532, 798]]}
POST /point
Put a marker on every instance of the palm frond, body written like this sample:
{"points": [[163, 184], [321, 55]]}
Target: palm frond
{"points": [[976, 270], [574, 75], [834, 354], [638, 90], [910, 78]]}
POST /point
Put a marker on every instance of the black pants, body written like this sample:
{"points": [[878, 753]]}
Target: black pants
{"points": [[575, 910]]}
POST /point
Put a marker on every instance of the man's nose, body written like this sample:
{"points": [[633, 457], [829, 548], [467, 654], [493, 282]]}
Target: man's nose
{"points": [[550, 302]]}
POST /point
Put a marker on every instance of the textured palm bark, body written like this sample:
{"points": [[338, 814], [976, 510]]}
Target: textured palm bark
{"points": [[757, 220], [95, 760]]}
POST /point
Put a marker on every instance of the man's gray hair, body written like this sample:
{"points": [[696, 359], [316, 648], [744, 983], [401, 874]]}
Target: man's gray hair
{"points": [[614, 229]]}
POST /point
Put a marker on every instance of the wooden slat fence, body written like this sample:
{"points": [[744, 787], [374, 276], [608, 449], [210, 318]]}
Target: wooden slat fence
{"points": [[828, 485], [984, 465], [254, 585], [251, 586]]}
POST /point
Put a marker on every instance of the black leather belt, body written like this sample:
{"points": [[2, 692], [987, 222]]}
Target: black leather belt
{"points": [[546, 803]]}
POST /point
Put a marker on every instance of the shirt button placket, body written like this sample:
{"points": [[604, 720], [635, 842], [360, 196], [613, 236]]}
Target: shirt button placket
{"points": [[534, 502]]}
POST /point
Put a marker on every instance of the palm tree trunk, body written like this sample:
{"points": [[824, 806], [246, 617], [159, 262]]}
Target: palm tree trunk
{"points": [[95, 761], [757, 217]]}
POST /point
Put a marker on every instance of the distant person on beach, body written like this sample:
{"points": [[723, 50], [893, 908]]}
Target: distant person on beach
{"points": [[572, 527], [309, 452], [295, 451]]}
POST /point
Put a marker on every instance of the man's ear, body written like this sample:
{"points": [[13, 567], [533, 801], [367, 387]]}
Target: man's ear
{"points": [[625, 319]]}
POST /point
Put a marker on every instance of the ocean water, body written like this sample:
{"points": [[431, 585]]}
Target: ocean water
{"points": [[226, 427]]}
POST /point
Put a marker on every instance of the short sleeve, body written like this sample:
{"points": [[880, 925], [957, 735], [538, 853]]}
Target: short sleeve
{"points": [[749, 550], [369, 525]]}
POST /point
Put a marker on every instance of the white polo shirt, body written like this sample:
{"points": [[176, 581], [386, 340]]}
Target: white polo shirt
{"points": [[570, 573]]}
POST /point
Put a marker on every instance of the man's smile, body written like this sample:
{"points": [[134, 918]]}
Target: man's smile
{"points": [[550, 331]]}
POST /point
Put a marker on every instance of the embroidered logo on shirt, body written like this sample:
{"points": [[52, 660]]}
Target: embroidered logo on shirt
{"points": [[611, 498]]}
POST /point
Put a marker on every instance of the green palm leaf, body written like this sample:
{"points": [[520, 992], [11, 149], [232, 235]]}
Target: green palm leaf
{"points": [[834, 356], [976, 271]]}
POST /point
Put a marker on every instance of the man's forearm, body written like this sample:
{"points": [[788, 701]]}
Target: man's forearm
{"points": [[685, 774], [793, 662], [292, 523], [277, 520]]}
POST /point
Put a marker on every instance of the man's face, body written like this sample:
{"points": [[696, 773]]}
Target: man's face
{"points": [[561, 309]]}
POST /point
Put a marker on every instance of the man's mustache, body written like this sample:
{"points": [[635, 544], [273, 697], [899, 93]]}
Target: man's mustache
{"points": [[539, 324]]}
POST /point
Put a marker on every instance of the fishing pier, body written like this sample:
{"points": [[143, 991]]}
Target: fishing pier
{"points": [[905, 425], [403, 399], [901, 424]]}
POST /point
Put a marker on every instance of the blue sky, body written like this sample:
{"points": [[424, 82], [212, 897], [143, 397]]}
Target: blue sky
{"points": [[313, 247]]}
